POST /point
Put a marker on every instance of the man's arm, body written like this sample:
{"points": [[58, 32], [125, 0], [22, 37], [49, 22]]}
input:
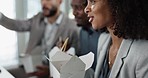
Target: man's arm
{"points": [[16, 25]]}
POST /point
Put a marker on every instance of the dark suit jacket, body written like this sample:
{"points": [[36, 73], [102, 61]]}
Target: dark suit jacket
{"points": [[89, 43]]}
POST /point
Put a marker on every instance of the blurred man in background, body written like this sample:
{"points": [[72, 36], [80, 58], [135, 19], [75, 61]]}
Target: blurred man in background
{"points": [[45, 29], [88, 37]]}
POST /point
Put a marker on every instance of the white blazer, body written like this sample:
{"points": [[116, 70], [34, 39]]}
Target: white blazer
{"points": [[131, 60]]}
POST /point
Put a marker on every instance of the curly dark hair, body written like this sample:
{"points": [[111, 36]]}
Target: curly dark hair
{"points": [[131, 18], [84, 3]]}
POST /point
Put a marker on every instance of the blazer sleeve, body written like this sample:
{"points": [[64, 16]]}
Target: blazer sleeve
{"points": [[142, 67], [17, 25]]}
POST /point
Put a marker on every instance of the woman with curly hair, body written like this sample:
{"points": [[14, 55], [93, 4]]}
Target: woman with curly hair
{"points": [[123, 52]]}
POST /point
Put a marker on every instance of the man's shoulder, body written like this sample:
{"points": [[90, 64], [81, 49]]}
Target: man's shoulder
{"points": [[38, 15], [69, 20]]}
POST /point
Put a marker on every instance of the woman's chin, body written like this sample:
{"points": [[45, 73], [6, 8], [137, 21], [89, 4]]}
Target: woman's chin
{"points": [[94, 27]]}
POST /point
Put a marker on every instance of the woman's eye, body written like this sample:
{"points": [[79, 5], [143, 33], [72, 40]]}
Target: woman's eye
{"points": [[93, 2]]}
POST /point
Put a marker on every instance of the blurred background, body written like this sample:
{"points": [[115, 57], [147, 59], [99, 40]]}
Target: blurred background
{"points": [[13, 43]]}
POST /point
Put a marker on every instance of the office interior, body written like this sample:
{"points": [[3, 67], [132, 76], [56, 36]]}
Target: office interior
{"points": [[14, 43]]}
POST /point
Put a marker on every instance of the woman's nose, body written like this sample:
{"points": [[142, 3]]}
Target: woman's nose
{"points": [[87, 9]]}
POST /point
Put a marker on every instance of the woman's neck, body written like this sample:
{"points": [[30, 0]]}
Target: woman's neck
{"points": [[116, 41]]}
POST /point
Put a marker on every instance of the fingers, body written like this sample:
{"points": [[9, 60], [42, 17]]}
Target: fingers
{"points": [[37, 73], [42, 67], [41, 71], [31, 74], [60, 42]]}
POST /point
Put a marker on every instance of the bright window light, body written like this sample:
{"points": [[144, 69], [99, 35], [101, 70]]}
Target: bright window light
{"points": [[8, 40]]}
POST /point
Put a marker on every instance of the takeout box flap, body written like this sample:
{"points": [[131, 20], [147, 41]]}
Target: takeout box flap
{"points": [[75, 64], [60, 56], [58, 64], [88, 59], [79, 74]]}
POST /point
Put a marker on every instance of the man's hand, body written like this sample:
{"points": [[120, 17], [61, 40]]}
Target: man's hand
{"points": [[42, 72], [61, 42]]}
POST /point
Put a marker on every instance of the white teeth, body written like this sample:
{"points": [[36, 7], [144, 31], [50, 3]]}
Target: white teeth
{"points": [[90, 19]]}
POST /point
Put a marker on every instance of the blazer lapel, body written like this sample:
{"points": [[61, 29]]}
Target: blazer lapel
{"points": [[35, 36], [61, 28], [122, 54], [102, 49]]}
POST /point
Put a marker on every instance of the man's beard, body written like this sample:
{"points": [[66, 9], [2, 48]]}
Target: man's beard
{"points": [[52, 11], [79, 25], [84, 24]]}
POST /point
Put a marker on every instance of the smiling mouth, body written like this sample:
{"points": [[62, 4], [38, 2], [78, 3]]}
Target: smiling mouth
{"points": [[91, 19]]}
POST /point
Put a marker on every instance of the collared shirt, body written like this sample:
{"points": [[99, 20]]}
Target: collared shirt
{"points": [[105, 70], [49, 35], [50, 31]]}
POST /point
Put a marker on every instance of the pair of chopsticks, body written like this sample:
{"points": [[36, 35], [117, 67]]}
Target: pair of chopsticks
{"points": [[65, 45], [63, 49]]}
